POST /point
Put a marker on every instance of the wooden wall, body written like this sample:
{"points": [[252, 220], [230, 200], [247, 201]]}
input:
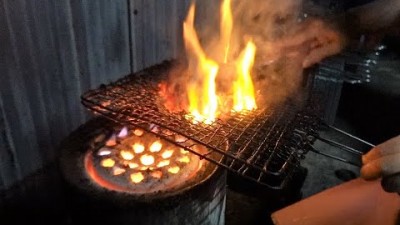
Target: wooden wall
{"points": [[51, 51]]}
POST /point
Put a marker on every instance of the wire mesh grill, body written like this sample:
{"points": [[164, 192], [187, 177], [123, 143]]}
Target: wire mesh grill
{"points": [[259, 145]]}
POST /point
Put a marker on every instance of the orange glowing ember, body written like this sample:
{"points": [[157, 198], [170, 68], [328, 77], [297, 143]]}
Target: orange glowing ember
{"points": [[167, 154], [156, 174], [107, 163], [133, 165], [127, 155], [205, 105], [147, 160], [163, 163], [184, 159], [156, 146], [143, 159], [137, 177], [138, 132], [138, 148], [174, 169]]}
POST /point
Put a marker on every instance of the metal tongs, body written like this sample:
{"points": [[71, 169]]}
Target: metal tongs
{"points": [[313, 135]]}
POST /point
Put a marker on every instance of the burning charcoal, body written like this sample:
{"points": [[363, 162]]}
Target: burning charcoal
{"points": [[156, 174], [138, 148], [108, 163], [174, 170], [137, 177], [184, 159], [167, 154], [147, 160], [112, 141], [133, 165], [163, 163], [156, 146], [118, 170], [138, 132], [141, 167], [127, 155]]}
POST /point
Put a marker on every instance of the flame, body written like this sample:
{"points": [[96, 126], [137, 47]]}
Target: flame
{"points": [[226, 27], [204, 108], [244, 98], [201, 89]]}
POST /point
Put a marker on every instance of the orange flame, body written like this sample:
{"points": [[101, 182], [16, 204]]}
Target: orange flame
{"points": [[226, 27], [244, 98], [204, 108], [201, 89]]}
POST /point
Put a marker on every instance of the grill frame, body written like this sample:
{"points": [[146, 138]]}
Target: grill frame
{"points": [[264, 138]]}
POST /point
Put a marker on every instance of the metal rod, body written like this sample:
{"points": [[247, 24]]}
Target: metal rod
{"points": [[335, 157], [352, 136], [341, 146]]}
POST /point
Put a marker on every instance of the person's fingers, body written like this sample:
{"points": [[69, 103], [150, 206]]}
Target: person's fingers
{"points": [[373, 154], [389, 147], [391, 183], [384, 166]]}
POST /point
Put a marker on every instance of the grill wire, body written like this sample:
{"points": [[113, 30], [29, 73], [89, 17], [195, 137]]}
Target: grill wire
{"points": [[261, 145]]}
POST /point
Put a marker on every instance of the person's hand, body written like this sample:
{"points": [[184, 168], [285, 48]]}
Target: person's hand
{"points": [[315, 39], [384, 161]]}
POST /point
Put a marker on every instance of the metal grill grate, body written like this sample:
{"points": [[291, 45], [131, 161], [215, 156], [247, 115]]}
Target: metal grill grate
{"points": [[262, 144]]}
